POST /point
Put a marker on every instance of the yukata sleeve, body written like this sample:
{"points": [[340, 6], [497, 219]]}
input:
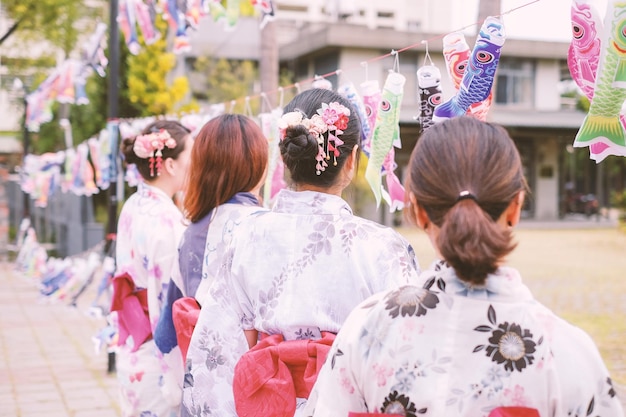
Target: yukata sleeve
{"points": [[165, 332], [396, 262], [162, 257], [217, 344], [338, 390], [593, 391]]}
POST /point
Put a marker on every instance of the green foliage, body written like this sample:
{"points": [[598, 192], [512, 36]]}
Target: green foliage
{"points": [[54, 21], [583, 103], [143, 92], [148, 87], [618, 199], [226, 80]]}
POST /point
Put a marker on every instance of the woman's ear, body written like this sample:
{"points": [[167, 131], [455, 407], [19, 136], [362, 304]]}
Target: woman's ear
{"points": [[420, 215], [350, 165], [514, 210], [169, 164], [351, 161]]}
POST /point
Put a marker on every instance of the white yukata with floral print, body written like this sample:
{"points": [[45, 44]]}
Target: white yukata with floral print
{"points": [[149, 229], [296, 270], [448, 349]]}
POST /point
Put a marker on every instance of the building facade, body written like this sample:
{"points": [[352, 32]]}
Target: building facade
{"points": [[317, 37]]}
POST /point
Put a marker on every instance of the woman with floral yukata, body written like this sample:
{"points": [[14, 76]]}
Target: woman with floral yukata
{"points": [[228, 165], [149, 230], [471, 338], [292, 273]]}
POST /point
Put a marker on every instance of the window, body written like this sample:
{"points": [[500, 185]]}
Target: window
{"points": [[514, 82]]}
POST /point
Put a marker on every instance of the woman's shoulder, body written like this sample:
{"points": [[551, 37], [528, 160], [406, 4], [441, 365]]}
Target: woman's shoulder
{"points": [[376, 227]]}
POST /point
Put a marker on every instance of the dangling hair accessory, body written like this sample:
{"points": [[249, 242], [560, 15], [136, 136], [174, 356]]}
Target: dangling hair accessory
{"points": [[151, 146], [331, 118]]}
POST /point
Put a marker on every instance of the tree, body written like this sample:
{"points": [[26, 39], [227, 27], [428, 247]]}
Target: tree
{"points": [[144, 91], [53, 21], [268, 62], [148, 71], [226, 80]]}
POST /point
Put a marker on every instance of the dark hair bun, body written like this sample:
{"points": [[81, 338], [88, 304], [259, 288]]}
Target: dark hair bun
{"points": [[127, 150], [298, 144]]}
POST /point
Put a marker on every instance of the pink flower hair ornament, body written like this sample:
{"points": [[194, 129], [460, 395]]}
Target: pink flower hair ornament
{"points": [[151, 146], [331, 118]]}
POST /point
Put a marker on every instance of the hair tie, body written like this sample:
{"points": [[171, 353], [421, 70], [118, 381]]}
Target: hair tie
{"points": [[463, 195]]}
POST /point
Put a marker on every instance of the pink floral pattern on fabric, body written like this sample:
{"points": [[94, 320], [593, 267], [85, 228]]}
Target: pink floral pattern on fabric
{"points": [[149, 228]]}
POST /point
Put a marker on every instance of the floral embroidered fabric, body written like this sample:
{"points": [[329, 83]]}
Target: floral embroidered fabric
{"points": [[446, 348], [296, 270], [149, 229]]}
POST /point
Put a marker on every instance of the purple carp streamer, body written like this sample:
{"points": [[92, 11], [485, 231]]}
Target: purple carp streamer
{"points": [[456, 53], [480, 72]]}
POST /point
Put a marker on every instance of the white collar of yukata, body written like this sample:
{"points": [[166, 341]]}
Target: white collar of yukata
{"points": [[505, 284]]}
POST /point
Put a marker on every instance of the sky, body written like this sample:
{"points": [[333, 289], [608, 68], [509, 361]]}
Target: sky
{"points": [[547, 20]]}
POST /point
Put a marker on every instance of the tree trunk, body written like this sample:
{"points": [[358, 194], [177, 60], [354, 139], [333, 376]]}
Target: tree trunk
{"points": [[488, 8], [268, 63]]}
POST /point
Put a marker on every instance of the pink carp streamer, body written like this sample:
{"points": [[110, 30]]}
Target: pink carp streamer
{"points": [[583, 58], [181, 16], [603, 128], [372, 96]]}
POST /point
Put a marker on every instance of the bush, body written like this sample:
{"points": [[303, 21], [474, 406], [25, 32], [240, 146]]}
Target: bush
{"points": [[618, 199]]}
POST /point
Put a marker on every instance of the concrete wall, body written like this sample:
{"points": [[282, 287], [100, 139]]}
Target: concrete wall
{"points": [[546, 191], [547, 77], [11, 111]]}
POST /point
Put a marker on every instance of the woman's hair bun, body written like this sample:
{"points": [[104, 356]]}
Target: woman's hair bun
{"points": [[298, 144], [127, 150]]}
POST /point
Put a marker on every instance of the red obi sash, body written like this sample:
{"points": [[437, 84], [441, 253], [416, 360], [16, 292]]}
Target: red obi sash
{"points": [[514, 412], [185, 313], [270, 376], [131, 305]]}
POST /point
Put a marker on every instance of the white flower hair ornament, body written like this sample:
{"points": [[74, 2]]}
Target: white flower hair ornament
{"points": [[151, 146], [331, 118]]}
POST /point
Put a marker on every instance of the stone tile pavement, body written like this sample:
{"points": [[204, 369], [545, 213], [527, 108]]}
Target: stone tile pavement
{"points": [[48, 363]]}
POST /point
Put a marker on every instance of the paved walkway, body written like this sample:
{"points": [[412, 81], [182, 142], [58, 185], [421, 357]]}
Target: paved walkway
{"points": [[48, 364]]}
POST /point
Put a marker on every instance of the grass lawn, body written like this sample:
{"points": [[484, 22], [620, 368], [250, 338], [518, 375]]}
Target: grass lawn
{"points": [[579, 274]]}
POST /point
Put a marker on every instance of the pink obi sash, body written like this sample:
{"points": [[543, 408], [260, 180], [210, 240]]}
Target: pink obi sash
{"points": [[496, 412], [270, 376], [185, 313], [131, 305]]}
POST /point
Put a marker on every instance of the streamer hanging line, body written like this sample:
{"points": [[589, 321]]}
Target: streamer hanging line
{"points": [[395, 52]]}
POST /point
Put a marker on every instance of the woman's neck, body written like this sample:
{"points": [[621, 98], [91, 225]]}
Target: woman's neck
{"points": [[332, 190], [164, 185]]}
